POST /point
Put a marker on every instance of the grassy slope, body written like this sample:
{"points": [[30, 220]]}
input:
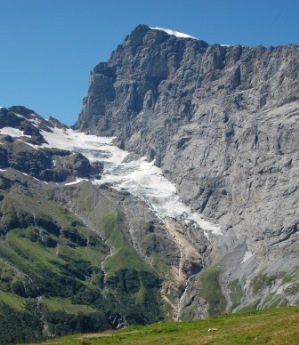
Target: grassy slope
{"points": [[129, 279], [25, 250], [123, 257], [51, 265], [46, 270], [274, 326]]}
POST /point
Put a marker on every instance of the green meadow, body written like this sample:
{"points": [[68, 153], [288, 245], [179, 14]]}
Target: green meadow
{"points": [[273, 326]]}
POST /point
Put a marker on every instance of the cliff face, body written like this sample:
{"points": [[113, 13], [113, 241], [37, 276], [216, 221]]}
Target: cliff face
{"points": [[222, 123]]}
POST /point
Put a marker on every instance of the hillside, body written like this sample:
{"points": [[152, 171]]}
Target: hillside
{"points": [[221, 122], [67, 264], [274, 326]]}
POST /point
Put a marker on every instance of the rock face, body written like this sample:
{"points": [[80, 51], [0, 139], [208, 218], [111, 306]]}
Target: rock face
{"points": [[222, 122], [28, 156]]}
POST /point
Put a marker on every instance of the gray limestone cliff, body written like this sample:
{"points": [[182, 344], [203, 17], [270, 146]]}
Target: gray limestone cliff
{"points": [[222, 122]]}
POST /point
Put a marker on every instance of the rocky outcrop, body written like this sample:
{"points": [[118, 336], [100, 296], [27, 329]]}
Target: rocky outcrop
{"points": [[222, 123], [26, 153]]}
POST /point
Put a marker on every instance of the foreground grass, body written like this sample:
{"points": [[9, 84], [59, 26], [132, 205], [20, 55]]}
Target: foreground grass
{"points": [[273, 326]]}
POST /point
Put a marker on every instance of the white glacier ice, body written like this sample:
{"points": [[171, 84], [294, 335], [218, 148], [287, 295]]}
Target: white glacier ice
{"points": [[13, 132], [141, 178]]}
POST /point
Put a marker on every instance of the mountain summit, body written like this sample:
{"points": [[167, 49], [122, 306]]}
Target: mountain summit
{"points": [[221, 122]]}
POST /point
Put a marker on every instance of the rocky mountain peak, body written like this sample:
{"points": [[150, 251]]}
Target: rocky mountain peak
{"points": [[221, 122], [143, 35], [151, 65]]}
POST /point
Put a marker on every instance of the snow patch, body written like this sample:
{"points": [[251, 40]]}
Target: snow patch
{"points": [[174, 33], [247, 256], [35, 121], [91, 145], [78, 180], [13, 132], [19, 115]]}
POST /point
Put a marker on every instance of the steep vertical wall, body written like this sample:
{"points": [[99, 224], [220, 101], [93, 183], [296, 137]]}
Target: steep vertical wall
{"points": [[222, 123]]}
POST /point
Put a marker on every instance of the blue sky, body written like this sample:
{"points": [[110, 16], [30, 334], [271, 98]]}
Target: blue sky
{"points": [[49, 47]]}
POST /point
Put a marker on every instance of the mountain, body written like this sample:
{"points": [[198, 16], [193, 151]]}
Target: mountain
{"points": [[174, 196], [67, 261], [221, 122], [90, 238]]}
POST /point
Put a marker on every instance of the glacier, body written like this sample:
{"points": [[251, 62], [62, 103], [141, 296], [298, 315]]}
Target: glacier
{"points": [[139, 177]]}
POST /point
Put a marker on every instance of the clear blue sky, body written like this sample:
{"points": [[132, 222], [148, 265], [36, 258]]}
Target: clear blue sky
{"points": [[49, 47]]}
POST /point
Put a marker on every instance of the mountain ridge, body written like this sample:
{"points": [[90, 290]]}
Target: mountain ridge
{"points": [[220, 121], [197, 217], [63, 193], [62, 240]]}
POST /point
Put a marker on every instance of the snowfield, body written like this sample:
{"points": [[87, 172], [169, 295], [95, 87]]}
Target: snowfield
{"points": [[13, 132], [141, 178]]}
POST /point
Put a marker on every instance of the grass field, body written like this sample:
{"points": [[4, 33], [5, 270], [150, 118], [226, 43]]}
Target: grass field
{"points": [[273, 326], [58, 276]]}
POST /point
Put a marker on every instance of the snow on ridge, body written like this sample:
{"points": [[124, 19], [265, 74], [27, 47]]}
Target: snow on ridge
{"points": [[35, 121], [19, 115], [174, 33], [182, 35], [92, 146]]}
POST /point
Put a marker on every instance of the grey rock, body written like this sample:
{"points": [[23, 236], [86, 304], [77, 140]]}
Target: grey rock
{"points": [[222, 123], [42, 163]]}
